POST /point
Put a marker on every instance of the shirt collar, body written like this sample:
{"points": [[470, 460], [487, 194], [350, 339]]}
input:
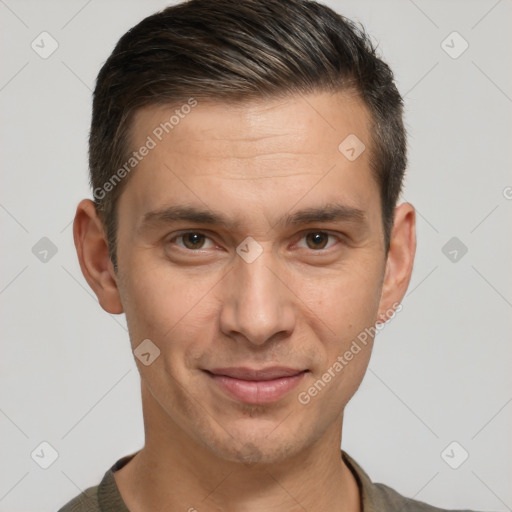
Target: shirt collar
{"points": [[110, 499]]}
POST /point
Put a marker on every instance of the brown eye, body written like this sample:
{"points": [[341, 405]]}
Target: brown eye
{"points": [[317, 240], [193, 240]]}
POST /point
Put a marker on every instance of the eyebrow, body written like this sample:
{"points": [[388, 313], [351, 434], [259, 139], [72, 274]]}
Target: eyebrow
{"points": [[330, 212]]}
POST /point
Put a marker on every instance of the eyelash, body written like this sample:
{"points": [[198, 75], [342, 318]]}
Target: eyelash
{"points": [[184, 233]]}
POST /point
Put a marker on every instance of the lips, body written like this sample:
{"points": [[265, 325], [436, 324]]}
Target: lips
{"points": [[256, 386]]}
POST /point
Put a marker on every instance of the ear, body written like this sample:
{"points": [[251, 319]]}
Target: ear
{"points": [[399, 261], [92, 249]]}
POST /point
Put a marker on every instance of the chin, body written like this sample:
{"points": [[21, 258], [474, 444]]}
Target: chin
{"points": [[254, 446]]}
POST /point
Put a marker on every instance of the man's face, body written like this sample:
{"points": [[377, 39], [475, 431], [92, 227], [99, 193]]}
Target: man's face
{"points": [[294, 296]]}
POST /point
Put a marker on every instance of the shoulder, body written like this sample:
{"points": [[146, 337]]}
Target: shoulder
{"points": [[378, 497], [389, 499], [102, 497], [86, 501]]}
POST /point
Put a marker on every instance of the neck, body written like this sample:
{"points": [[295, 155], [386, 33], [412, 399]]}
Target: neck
{"points": [[174, 472]]}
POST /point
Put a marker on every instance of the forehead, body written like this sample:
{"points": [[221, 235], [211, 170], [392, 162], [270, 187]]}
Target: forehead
{"points": [[303, 123], [265, 153]]}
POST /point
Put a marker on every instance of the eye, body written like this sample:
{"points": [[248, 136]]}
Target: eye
{"points": [[193, 241], [318, 240]]}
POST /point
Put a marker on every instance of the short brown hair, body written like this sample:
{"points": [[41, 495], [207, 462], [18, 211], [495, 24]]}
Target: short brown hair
{"points": [[232, 51]]}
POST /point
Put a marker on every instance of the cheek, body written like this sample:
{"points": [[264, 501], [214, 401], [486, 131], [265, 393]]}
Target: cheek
{"points": [[174, 310], [154, 300], [345, 300]]}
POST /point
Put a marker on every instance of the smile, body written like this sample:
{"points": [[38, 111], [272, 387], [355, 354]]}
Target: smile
{"points": [[256, 386]]}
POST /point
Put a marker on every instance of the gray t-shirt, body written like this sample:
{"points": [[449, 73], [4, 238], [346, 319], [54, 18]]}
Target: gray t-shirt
{"points": [[106, 497]]}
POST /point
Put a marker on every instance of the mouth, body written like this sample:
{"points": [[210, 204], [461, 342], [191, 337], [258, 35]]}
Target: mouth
{"points": [[256, 386]]}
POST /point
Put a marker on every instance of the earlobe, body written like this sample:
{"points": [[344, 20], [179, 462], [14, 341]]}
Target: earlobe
{"points": [[400, 260], [92, 250]]}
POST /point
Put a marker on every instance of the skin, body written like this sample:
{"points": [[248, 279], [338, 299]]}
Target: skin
{"points": [[299, 304]]}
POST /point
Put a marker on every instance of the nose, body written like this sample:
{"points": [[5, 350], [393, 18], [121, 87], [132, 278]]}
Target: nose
{"points": [[257, 306]]}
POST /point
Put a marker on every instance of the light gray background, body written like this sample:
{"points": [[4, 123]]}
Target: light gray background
{"points": [[440, 371]]}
